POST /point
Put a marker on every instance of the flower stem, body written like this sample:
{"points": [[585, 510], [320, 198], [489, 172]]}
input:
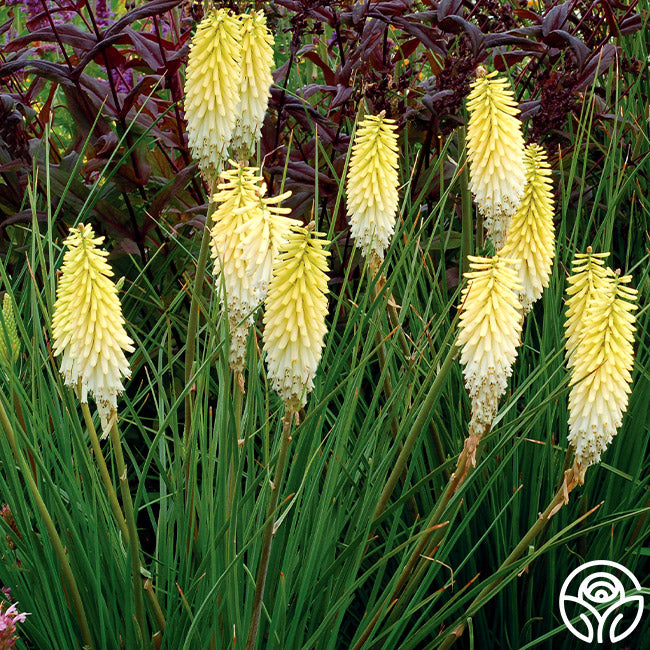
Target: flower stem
{"points": [[103, 471], [117, 510], [416, 428], [424, 546], [489, 590], [192, 325], [268, 531], [466, 198], [59, 550], [134, 545]]}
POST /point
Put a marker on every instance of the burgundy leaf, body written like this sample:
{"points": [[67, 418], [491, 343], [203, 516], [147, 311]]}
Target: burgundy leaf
{"points": [[457, 24], [328, 73], [448, 8], [146, 10], [559, 38], [430, 37], [598, 63], [529, 109], [66, 33], [53, 71], [555, 18], [630, 24]]}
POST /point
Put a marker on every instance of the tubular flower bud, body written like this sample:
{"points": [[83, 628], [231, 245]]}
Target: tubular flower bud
{"points": [[262, 237], [294, 318], [495, 149], [8, 353], [212, 88], [531, 239], [256, 79], [602, 371], [372, 183], [489, 334], [239, 199], [87, 326], [589, 277]]}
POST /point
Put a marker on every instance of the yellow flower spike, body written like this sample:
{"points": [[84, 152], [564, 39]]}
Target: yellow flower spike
{"points": [[87, 326], [255, 84], [372, 185], [495, 150], [8, 353], [602, 371], [489, 335], [531, 238], [261, 239], [589, 276], [240, 189], [294, 318], [212, 87]]}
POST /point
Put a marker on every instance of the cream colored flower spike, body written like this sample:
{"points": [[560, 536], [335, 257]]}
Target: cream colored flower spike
{"points": [[262, 237], [239, 196], [294, 318], [256, 79], [602, 371], [495, 149], [531, 238], [212, 87], [87, 326], [489, 334], [589, 277], [372, 185]]}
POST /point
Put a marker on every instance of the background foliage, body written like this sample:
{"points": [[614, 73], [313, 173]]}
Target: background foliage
{"points": [[92, 128]]}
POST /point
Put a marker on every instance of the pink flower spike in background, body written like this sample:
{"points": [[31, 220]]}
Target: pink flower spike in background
{"points": [[8, 620]]}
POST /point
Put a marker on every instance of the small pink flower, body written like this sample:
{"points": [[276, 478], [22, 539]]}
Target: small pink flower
{"points": [[8, 620]]}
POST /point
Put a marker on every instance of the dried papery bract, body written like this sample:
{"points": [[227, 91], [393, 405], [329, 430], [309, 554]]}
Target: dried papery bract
{"points": [[602, 371], [589, 276], [255, 84], [495, 149], [212, 87], [87, 326], [238, 199], [531, 238], [294, 318], [372, 186], [489, 334]]}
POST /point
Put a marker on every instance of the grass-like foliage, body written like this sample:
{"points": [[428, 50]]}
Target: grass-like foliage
{"points": [[214, 517]]}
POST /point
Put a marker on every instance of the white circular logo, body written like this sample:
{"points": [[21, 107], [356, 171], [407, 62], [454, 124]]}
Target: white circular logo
{"points": [[598, 596]]}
